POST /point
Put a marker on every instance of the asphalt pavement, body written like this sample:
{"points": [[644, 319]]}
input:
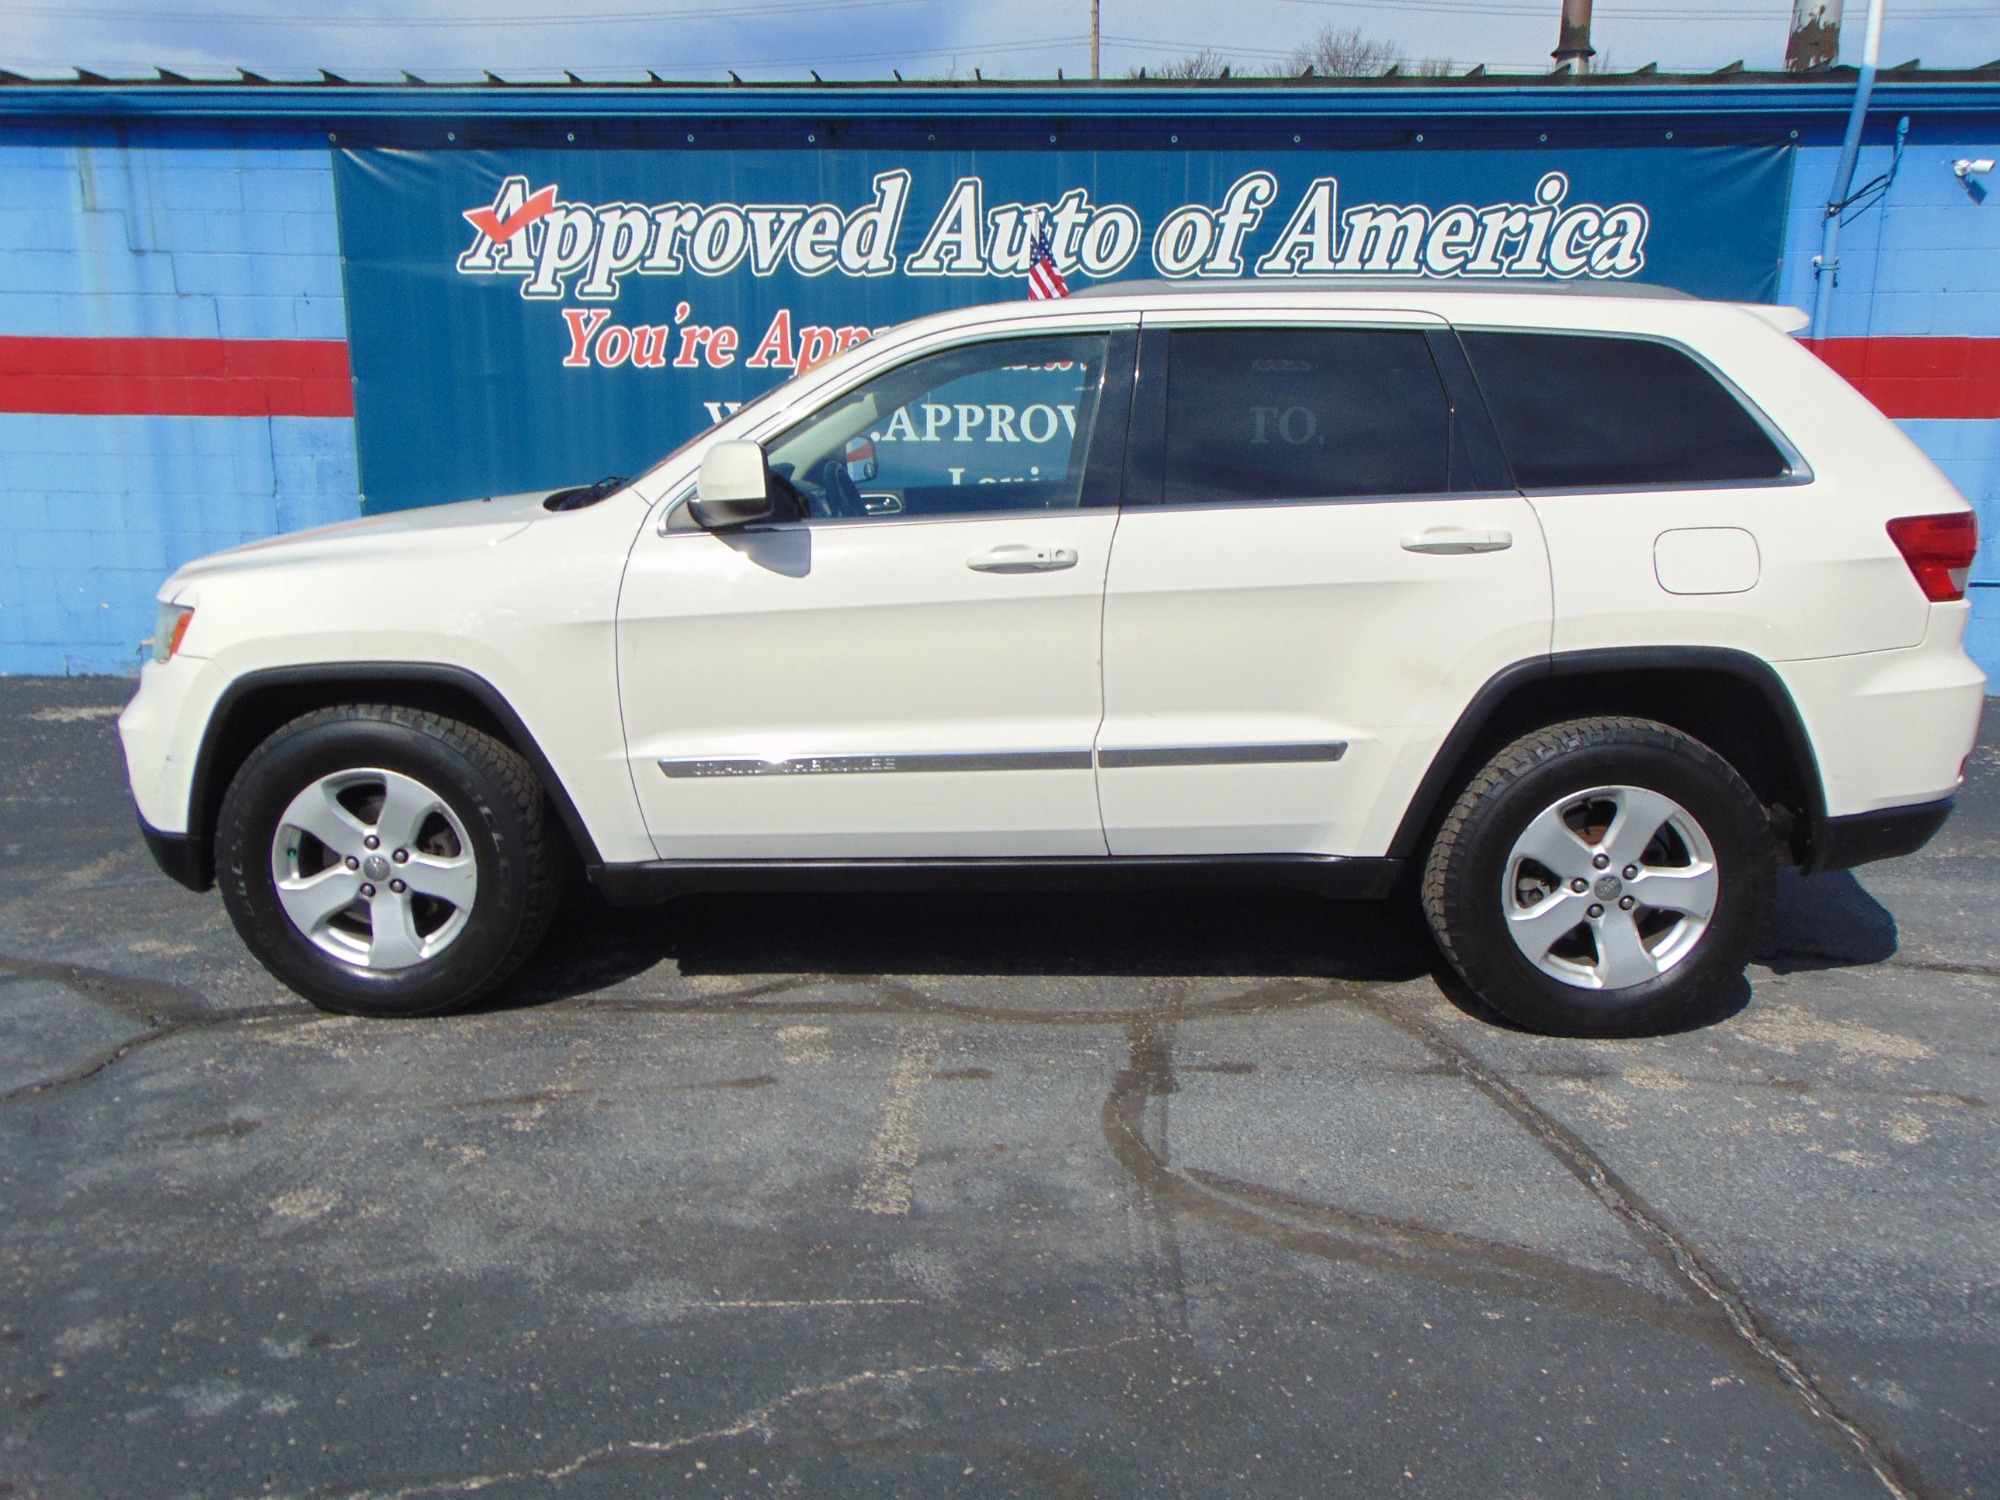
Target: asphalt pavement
{"points": [[956, 1196]]}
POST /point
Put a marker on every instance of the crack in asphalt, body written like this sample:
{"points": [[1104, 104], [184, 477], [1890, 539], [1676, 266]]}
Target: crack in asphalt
{"points": [[1297, 1223], [166, 1009], [1652, 1230], [758, 1420]]}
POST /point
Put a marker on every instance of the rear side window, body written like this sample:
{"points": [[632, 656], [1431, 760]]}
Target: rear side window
{"points": [[1583, 412], [1300, 414]]}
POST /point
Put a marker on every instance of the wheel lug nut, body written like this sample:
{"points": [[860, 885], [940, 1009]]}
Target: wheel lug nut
{"points": [[1579, 885], [1602, 861], [368, 890], [353, 863], [1631, 872], [398, 887], [401, 856], [1626, 903], [1595, 910], [371, 842]]}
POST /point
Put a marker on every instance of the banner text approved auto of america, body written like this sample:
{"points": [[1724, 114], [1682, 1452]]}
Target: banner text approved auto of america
{"points": [[525, 319]]}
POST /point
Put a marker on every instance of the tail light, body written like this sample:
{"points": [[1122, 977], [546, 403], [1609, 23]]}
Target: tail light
{"points": [[1939, 550]]}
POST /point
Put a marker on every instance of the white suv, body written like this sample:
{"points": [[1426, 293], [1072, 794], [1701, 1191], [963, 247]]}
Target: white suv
{"points": [[1580, 612]]}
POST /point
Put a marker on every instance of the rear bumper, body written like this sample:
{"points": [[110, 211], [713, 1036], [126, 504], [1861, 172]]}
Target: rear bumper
{"points": [[180, 855], [1843, 843]]}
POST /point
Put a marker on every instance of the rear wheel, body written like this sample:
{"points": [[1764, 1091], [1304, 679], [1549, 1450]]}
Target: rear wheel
{"points": [[387, 862], [1602, 877]]}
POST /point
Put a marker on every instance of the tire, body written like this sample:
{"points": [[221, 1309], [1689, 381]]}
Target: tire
{"points": [[455, 894], [1674, 854]]}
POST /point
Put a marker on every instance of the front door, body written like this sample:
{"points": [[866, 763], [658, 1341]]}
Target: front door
{"points": [[908, 665], [1318, 565]]}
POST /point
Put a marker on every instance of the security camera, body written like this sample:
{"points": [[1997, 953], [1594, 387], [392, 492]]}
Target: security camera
{"points": [[1971, 166]]}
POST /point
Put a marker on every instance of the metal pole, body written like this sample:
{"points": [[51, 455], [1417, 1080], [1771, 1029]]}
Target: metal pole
{"points": [[1573, 50], [1093, 38], [1826, 265]]}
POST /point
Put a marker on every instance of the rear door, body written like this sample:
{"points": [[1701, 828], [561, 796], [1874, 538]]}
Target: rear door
{"points": [[1318, 563]]}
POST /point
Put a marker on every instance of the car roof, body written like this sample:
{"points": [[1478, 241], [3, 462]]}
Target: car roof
{"points": [[1401, 285]]}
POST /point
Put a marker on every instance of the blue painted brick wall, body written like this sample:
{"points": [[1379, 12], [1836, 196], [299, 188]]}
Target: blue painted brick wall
{"points": [[1925, 261], [108, 239], [100, 509]]}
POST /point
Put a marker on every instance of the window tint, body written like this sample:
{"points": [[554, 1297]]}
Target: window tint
{"points": [[1586, 412], [1299, 414], [1003, 425]]}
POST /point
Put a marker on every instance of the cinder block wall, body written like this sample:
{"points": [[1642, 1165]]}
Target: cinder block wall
{"points": [[213, 243]]}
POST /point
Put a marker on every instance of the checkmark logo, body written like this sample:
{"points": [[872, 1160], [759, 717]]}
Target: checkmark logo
{"points": [[500, 230]]}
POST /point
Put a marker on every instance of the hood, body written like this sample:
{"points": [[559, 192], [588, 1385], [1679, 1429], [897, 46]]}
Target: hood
{"points": [[402, 533]]}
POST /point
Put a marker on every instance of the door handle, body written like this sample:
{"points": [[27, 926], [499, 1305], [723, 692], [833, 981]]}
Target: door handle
{"points": [[1019, 557], [1453, 541]]}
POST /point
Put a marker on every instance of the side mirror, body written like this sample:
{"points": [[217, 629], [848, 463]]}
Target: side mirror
{"points": [[734, 487]]}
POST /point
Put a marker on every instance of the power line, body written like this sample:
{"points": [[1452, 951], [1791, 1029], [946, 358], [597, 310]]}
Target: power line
{"points": [[985, 49], [1536, 11], [597, 18]]}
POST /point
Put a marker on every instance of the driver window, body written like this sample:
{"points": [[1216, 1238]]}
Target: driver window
{"points": [[996, 426]]}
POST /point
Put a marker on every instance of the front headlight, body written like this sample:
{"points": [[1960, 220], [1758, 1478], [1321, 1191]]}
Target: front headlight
{"points": [[170, 630]]}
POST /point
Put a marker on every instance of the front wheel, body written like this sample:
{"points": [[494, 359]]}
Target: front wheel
{"points": [[1604, 877], [387, 862]]}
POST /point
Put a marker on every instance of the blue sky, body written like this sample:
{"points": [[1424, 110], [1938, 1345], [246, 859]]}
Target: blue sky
{"points": [[446, 39]]}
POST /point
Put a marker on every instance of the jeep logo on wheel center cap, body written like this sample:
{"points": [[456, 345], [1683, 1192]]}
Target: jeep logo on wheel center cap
{"points": [[1607, 887], [375, 867]]}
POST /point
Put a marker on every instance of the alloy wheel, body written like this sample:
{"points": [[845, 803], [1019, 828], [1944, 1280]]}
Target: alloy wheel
{"points": [[374, 868], [1610, 887]]}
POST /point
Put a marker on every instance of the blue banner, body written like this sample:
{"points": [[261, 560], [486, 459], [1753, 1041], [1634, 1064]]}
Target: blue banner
{"points": [[525, 319]]}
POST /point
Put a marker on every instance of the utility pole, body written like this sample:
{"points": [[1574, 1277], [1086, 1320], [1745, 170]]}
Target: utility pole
{"points": [[1093, 38], [1573, 50], [1814, 45]]}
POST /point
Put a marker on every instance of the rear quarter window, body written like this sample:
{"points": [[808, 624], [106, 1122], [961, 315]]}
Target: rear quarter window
{"points": [[1580, 411]]}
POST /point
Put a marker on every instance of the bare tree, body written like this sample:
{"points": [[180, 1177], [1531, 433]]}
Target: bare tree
{"points": [[1352, 54], [1207, 63]]}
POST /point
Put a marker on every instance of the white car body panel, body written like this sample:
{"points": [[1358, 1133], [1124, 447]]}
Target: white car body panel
{"points": [[1254, 625], [865, 639], [522, 598]]}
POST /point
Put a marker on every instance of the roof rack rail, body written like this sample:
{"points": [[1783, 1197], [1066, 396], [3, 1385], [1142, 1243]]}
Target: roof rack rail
{"points": [[1148, 287]]}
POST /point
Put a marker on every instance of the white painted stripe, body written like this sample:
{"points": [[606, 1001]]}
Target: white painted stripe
{"points": [[888, 1180]]}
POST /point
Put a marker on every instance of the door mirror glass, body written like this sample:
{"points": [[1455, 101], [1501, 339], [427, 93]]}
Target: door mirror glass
{"points": [[734, 487], [861, 466]]}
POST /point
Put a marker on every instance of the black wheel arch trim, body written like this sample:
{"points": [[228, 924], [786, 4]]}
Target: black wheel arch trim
{"points": [[194, 865], [1449, 767]]}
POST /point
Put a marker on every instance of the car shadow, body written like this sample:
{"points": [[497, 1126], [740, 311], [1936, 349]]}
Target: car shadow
{"points": [[1151, 934], [1824, 921]]}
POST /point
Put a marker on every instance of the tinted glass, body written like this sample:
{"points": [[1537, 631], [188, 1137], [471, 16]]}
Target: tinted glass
{"points": [[1302, 414], [995, 426], [1579, 412]]}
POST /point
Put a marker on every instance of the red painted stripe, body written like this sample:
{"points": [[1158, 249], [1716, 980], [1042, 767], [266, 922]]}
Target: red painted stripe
{"points": [[176, 377], [1920, 377]]}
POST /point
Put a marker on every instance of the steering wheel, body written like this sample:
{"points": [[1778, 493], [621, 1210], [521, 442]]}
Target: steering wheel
{"points": [[842, 497]]}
